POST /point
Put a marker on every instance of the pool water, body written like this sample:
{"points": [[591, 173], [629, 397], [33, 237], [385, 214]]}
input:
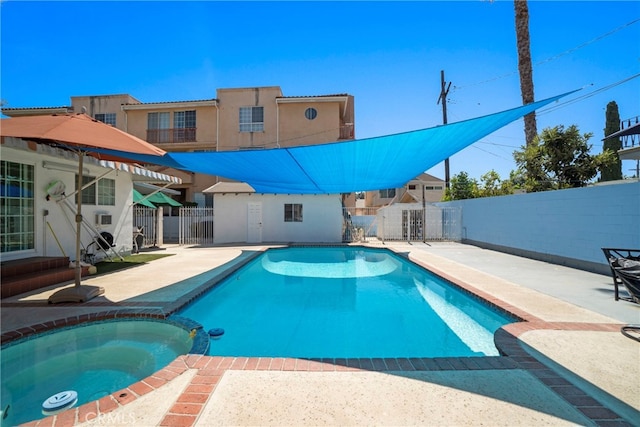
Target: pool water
{"points": [[94, 360], [340, 302]]}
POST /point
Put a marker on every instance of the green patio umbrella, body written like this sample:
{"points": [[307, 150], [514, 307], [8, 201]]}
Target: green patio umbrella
{"points": [[139, 199], [162, 199]]}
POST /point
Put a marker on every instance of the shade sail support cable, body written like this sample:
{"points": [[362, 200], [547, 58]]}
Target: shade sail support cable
{"points": [[303, 171]]}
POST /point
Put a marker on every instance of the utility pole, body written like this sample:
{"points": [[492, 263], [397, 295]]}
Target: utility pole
{"points": [[443, 97]]}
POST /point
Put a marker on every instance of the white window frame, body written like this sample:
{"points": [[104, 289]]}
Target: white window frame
{"points": [[251, 119], [100, 193], [388, 193], [293, 212], [107, 118], [184, 124], [158, 120], [18, 203]]}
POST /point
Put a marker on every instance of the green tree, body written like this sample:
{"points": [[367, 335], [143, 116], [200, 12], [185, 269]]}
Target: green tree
{"points": [[491, 185], [560, 158], [462, 187], [612, 125]]}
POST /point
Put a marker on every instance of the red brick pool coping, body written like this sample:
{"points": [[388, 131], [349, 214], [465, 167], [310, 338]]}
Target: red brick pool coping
{"points": [[189, 405]]}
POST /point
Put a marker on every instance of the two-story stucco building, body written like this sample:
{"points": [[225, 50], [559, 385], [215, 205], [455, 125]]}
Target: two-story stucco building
{"points": [[237, 119]]}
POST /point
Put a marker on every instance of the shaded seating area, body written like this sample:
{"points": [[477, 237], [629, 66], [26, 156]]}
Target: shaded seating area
{"points": [[625, 271]]}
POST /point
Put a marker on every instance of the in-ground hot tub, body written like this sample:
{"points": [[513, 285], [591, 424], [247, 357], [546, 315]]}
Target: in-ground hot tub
{"points": [[87, 361]]}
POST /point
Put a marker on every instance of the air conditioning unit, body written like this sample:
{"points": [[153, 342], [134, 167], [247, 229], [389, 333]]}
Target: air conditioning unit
{"points": [[103, 219]]}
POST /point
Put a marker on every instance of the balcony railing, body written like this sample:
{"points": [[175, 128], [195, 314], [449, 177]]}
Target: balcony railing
{"points": [[631, 140], [158, 136], [346, 131]]}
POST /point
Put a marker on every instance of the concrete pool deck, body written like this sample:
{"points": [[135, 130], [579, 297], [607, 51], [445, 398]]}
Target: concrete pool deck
{"points": [[568, 364]]}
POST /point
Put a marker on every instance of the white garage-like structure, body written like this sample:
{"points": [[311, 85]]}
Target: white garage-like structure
{"points": [[244, 216]]}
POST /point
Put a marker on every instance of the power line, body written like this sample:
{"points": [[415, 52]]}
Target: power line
{"points": [[499, 145], [554, 57], [489, 152], [583, 97]]}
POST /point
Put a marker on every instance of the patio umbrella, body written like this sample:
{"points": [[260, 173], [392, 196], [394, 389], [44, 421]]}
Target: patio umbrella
{"points": [[139, 199], [162, 199], [82, 135]]}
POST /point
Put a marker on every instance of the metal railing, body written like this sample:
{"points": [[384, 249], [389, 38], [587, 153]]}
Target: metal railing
{"points": [[146, 218], [629, 141], [156, 136], [346, 131], [195, 226], [358, 223]]}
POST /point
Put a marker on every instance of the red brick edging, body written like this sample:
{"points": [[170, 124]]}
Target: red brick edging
{"points": [[189, 405]]}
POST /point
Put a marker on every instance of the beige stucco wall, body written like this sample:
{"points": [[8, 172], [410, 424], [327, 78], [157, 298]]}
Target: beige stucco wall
{"points": [[104, 104], [230, 102], [206, 125], [217, 123], [296, 129]]}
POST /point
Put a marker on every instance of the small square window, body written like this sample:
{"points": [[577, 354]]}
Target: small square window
{"points": [[388, 193], [108, 118], [293, 212], [251, 119], [107, 192], [102, 192]]}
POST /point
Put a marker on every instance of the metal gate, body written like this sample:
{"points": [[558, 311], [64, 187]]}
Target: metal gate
{"points": [[358, 224], [412, 228], [450, 224], [195, 226], [146, 218], [440, 223]]}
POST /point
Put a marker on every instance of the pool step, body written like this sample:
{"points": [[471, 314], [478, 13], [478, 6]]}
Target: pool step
{"points": [[28, 274]]}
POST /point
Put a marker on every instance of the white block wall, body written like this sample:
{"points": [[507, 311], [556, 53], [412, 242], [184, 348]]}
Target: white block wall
{"points": [[565, 226]]}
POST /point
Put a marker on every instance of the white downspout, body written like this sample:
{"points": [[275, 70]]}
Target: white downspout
{"points": [[217, 133], [126, 119], [277, 124]]}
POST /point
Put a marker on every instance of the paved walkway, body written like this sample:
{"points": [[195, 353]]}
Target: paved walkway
{"points": [[568, 364]]}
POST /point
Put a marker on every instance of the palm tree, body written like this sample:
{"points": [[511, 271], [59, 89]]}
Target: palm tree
{"points": [[524, 66]]}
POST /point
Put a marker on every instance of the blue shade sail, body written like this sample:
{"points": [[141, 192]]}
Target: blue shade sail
{"points": [[343, 167]]}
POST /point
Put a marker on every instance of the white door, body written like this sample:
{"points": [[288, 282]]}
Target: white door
{"points": [[254, 223]]}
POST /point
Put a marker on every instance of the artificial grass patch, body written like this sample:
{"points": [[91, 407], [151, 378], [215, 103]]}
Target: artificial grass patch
{"points": [[128, 262]]}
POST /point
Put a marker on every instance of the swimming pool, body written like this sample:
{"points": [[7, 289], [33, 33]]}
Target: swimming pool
{"points": [[341, 302], [93, 360]]}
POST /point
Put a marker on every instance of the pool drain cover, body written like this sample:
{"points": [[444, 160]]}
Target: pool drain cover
{"points": [[59, 402]]}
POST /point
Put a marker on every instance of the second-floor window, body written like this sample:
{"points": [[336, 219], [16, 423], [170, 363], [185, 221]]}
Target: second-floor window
{"points": [[158, 127], [108, 118], [388, 194], [251, 119], [184, 126]]}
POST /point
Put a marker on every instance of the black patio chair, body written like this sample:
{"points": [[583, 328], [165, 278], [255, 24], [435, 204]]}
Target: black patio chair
{"points": [[625, 271]]}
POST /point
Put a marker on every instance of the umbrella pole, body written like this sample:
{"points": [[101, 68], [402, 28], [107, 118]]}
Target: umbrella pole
{"points": [[77, 293], [78, 277]]}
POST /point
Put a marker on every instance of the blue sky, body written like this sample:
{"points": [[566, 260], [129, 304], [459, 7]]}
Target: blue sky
{"points": [[387, 54]]}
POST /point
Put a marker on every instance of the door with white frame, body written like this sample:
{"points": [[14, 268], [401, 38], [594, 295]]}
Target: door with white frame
{"points": [[254, 222]]}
